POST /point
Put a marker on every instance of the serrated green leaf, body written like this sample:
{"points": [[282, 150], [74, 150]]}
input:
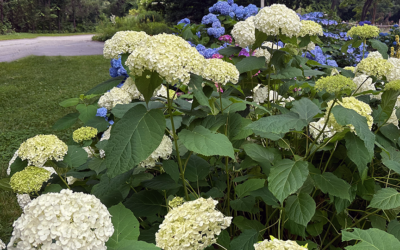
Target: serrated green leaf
{"points": [[386, 198], [120, 109], [69, 102], [5, 184], [161, 182], [248, 186], [287, 177], [53, 188], [266, 196], [393, 165], [330, 183], [315, 229], [287, 73], [105, 86], [203, 141], [126, 226], [295, 228], [250, 63], [243, 223], [133, 245], [75, 156], [147, 83], [98, 123], [172, 168], [133, 139], [358, 153], [306, 109], [224, 239], [300, 208], [18, 165], [195, 86], [394, 228], [229, 51], [244, 204], [197, 169], [371, 239], [245, 241], [86, 112], [66, 121], [261, 37], [145, 203], [380, 46]]}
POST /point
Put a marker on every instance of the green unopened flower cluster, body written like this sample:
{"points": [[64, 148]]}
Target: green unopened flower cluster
{"points": [[350, 103], [374, 67], [364, 32], [335, 84], [393, 85], [29, 180], [84, 133], [310, 28], [175, 202]]}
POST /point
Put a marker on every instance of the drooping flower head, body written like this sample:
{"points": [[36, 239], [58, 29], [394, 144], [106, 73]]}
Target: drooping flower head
{"points": [[84, 134], [244, 32], [132, 90], [360, 107], [64, 220], [270, 20], [29, 180], [373, 66], [123, 42], [263, 52], [275, 244], [316, 128], [335, 84], [310, 28], [219, 71], [192, 225], [364, 83], [393, 85], [261, 95], [170, 56], [364, 32], [41, 148], [116, 96]]}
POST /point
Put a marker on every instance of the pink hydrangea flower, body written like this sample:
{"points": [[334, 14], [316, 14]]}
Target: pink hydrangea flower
{"points": [[219, 89], [225, 38], [218, 56]]}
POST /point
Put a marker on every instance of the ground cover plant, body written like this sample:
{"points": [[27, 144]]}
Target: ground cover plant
{"points": [[31, 89], [31, 35], [264, 150]]}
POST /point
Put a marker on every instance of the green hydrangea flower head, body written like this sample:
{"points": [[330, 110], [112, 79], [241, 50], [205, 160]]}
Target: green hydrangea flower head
{"points": [[350, 103], [29, 180], [175, 202], [310, 28], [364, 32], [373, 66], [352, 69], [393, 85], [84, 134], [275, 244], [335, 84]]}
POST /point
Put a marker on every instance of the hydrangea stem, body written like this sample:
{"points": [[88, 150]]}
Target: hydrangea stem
{"points": [[182, 172]]}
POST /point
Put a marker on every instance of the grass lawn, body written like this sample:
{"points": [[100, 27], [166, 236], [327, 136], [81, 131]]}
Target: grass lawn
{"points": [[31, 35], [30, 90]]}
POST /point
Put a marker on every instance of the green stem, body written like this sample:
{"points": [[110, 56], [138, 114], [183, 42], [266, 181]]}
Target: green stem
{"points": [[330, 157], [182, 171], [279, 224]]}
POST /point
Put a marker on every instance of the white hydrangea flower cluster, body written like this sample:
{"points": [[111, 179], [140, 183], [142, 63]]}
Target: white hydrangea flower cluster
{"points": [[309, 47], [367, 85], [23, 200], [2, 245], [316, 128], [130, 87], [375, 54], [270, 20], [310, 28], [123, 42], [393, 119], [90, 151], [275, 244], [106, 135], [263, 52], [170, 56], [219, 71], [116, 96], [41, 148], [11, 162], [193, 225], [260, 95], [163, 151], [244, 32], [64, 221], [394, 73], [71, 180], [271, 45]]}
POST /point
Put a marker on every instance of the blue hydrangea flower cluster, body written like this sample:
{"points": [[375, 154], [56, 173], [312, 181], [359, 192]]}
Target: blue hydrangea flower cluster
{"points": [[216, 29], [364, 22], [317, 17], [231, 9], [186, 21], [208, 52], [102, 112], [318, 55], [383, 34], [395, 26], [117, 69]]}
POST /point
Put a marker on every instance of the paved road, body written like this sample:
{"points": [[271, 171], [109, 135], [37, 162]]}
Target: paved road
{"points": [[80, 45]]}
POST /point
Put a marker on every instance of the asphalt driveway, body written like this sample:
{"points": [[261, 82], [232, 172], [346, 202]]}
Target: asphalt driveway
{"points": [[79, 45]]}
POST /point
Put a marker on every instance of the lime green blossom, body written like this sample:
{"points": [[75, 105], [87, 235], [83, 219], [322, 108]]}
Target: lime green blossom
{"points": [[310, 28], [84, 134], [29, 180], [335, 84], [364, 32], [373, 66], [41, 148], [360, 107], [219, 71], [393, 85], [123, 42], [275, 244], [352, 69], [175, 202]]}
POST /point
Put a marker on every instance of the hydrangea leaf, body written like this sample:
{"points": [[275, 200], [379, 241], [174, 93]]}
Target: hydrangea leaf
{"points": [[306, 109], [245, 188], [300, 208], [393, 165], [394, 228], [133, 139], [66, 122], [250, 63], [229, 51], [120, 109], [105, 86], [287, 177], [134, 245], [126, 226], [18, 165], [371, 239], [244, 204], [69, 102], [330, 183], [203, 141], [147, 83], [161, 182], [287, 73], [386, 198], [346, 116], [243, 223], [86, 112], [245, 241], [75, 156], [172, 168], [197, 169], [274, 127], [224, 239], [380, 46], [266, 196], [295, 228], [261, 37], [145, 203], [358, 153], [98, 123], [387, 105], [124, 57], [195, 86]]}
